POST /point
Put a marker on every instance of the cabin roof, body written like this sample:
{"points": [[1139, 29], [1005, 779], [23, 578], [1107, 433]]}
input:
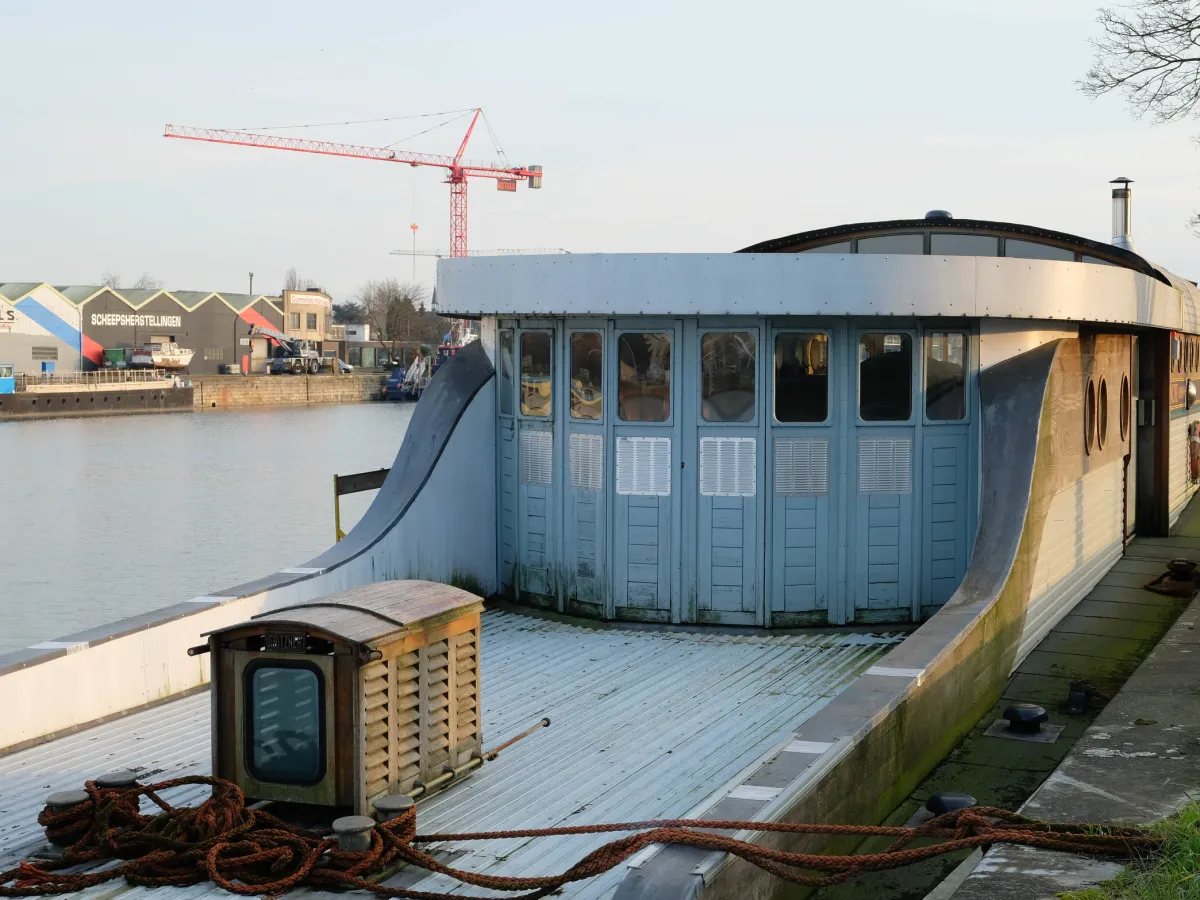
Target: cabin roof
{"points": [[810, 240], [372, 612], [645, 724]]}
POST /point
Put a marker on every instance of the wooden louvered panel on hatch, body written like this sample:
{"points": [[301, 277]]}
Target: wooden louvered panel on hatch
{"points": [[406, 728], [465, 737], [376, 718], [435, 708]]}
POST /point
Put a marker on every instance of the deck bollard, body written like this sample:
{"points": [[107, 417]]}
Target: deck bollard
{"points": [[353, 833], [120, 780], [392, 806], [1025, 718], [61, 802]]}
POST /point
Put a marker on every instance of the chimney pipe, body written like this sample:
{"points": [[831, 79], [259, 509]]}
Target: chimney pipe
{"points": [[1122, 214]]}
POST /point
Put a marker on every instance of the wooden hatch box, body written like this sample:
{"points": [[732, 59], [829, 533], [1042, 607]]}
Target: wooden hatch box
{"points": [[344, 699]]}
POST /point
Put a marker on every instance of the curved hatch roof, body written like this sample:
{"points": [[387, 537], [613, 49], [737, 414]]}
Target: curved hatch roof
{"points": [[1083, 248]]}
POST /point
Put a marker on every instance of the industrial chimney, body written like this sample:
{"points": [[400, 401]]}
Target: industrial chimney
{"points": [[1122, 214]]}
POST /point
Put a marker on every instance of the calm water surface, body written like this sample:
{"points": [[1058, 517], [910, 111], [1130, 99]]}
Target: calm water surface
{"points": [[107, 517]]}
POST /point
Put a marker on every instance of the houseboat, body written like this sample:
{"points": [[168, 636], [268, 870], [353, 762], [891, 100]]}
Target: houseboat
{"points": [[936, 433]]}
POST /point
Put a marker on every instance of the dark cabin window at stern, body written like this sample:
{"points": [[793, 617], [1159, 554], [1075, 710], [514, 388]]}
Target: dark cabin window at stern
{"points": [[945, 376], [963, 245], [285, 711], [801, 377], [885, 377], [893, 243], [536, 388], [1033, 250], [727, 362], [644, 377], [587, 367], [839, 247]]}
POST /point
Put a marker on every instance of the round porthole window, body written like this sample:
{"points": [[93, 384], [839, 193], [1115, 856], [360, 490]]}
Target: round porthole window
{"points": [[1089, 416], [1102, 414], [1126, 404]]}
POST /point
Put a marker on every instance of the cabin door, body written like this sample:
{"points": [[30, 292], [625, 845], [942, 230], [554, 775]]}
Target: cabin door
{"points": [[804, 473], [882, 521], [645, 469], [722, 473], [536, 520], [585, 516]]}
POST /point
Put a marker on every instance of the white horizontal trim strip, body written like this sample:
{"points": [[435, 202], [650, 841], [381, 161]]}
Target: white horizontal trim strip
{"points": [[70, 646], [300, 570], [889, 672], [817, 747], [209, 599], [754, 792]]}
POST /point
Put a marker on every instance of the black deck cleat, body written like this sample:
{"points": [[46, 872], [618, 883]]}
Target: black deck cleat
{"points": [[940, 804], [1026, 718]]}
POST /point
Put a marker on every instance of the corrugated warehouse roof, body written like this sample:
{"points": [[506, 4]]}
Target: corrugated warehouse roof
{"points": [[15, 290], [646, 724], [80, 293]]}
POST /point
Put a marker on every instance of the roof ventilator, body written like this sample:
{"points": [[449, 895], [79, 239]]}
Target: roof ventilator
{"points": [[938, 214], [1122, 214], [1025, 722]]}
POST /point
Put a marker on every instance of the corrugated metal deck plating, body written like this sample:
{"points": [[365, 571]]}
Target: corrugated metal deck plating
{"points": [[646, 724]]}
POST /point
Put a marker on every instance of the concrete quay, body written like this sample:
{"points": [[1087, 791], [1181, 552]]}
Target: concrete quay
{"points": [[1138, 762], [237, 391]]}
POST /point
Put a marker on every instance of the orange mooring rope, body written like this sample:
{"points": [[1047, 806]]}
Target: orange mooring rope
{"points": [[249, 851]]}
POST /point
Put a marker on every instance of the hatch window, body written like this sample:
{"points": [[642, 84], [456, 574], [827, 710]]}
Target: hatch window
{"points": [[536, 387], [285, 713], [839, 247], [945, 376], [644, 377], [1089, 417], [1126, 405], [885, 377], [963, 245], [587, 367], [727, 361], [802, 377], [1102, 413], [506, 373], [893, 243], [1033, 250]]}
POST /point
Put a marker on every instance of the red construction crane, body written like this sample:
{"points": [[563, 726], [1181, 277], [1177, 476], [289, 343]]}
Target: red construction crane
{"points": [[457, 169]]}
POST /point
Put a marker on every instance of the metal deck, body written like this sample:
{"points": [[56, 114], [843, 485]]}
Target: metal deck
{"points": [[646, 724]]}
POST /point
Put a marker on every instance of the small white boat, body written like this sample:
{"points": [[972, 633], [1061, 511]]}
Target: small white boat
{"points": [[161, 356]]}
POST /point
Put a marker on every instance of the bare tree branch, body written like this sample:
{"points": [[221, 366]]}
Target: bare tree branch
{"points": [[397, 314], [1150, 54], [147, 283], [111, 280]]}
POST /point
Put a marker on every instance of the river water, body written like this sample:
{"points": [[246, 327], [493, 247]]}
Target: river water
{"points": [[108, 517]]}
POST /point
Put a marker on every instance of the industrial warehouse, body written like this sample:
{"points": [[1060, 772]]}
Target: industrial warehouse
{"points": [[45, 328]]}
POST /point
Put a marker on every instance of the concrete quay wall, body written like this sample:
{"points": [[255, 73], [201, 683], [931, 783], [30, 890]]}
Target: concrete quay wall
{"points": [[234, 391]]}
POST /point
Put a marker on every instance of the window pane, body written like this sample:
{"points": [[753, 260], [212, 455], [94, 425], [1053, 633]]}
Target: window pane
{"points": [[946, 375], [727, 376], [963, 245], [285, 725], [535, 373], [587, 367], [1030, 250], [885, 377], [839, 247], [893, 243], [506, 373], [801, 377], [1097, 261], [644, 377]]}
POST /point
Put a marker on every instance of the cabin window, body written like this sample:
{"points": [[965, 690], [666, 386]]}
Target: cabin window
{"points": [[839, 247], [1097, 261], [536, 392], [727, 367], [893, 243], [285, 714], [1102, 414], [1126, 406], [1033, 250], [644, 377], [801, 377], [885, 377], [310, 321], [945, 376], [963, 245], [587, 368], [294, 319], [506, 373], [1089, 417]]}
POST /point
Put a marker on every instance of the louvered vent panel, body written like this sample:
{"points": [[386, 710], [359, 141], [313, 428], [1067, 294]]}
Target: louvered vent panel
{"points": [[536, 456], [376, 716], [465, 738], [435, 708], [885, 465], [801, 467], [406, 733], [587, 462], [728, 466], [644, 466]]}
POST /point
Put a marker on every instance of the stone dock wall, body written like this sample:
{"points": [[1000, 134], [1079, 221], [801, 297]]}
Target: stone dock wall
{"points": [[233, 391]]}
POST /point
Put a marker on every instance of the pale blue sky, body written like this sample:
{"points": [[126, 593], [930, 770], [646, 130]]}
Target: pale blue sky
{"points": [[668, 126]]}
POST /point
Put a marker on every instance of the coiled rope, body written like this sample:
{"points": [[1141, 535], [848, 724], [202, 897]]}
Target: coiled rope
{"points": [[249, 851]]}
